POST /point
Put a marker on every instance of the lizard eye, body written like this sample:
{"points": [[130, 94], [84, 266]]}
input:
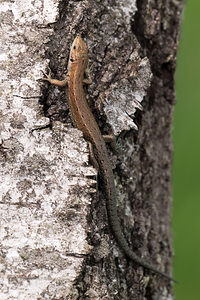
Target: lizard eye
{"points": [[71, 59], [74, 47]]}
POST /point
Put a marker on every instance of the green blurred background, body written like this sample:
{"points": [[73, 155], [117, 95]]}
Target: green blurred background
{"points": [[186, 169]]}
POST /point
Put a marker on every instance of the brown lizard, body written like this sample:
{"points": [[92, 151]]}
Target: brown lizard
{"points": [[84, 120]]}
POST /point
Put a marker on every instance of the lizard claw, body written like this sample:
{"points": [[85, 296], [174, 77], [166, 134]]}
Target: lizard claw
{"points": [[48, 75]]}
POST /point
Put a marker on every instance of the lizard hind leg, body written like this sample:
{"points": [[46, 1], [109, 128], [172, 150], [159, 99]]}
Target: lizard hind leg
{"points": [[110, 139]]}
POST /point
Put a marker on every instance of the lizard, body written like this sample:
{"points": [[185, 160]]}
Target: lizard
{"points": [[83, 118]]}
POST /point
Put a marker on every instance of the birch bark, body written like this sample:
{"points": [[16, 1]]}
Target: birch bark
{"points": [[55, 237]]}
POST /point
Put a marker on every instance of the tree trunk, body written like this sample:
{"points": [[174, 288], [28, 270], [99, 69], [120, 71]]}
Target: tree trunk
{"points": [[56, 242]]}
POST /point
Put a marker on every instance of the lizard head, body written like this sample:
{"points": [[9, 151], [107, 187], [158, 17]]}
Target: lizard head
{"points": [[79, 49]]}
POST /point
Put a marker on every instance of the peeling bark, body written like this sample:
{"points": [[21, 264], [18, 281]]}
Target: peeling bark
{"points": [[55, 237]]}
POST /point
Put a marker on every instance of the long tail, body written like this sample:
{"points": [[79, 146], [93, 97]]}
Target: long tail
{"points": [[110, 194], [116, 228], [117, 232]]}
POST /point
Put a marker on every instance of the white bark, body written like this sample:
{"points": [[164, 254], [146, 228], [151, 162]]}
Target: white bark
{"points": [[44, 192]]}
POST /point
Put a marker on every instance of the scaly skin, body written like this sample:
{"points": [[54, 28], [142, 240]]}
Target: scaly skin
{"points": [[84, 120]]}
